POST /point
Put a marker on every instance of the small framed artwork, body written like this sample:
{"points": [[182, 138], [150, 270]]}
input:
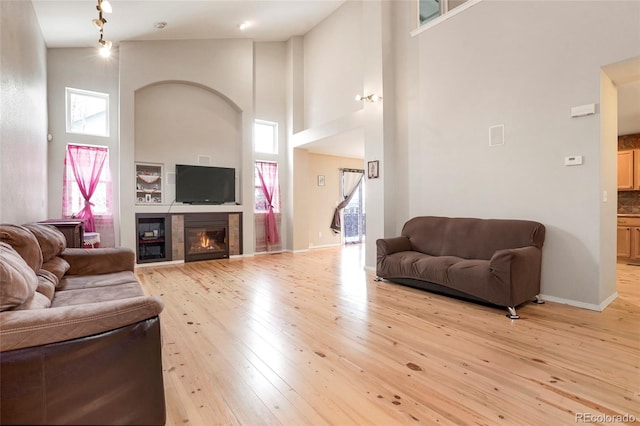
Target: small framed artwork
{"points": [[320, 180], [373, 168]]}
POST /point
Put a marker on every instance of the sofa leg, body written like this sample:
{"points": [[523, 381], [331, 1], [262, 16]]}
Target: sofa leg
{"points": [[512, 313], [377, 279], [537, 300]]}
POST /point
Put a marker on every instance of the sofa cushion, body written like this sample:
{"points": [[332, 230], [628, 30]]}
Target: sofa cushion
{"points": [[78, 282], [24, 242], [52, 242], [46, 283], [97, 294], [36, 301], [435, 268], [57, 266], [17, 281]]}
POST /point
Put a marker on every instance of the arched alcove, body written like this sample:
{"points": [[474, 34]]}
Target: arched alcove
{"points": [[178, 122]]}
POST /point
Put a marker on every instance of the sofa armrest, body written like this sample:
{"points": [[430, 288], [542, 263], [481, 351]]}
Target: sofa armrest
{"points": [[387, 246], [520, 269], [35, 327], [99, 260]]}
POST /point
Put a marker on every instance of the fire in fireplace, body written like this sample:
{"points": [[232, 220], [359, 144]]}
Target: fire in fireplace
{"points": [[205, 242]]}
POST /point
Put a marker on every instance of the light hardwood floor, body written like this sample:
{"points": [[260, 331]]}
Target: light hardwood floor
{"points": [[311, 339]]}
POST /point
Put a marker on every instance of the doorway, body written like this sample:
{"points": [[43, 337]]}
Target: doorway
{"points": [[626, 116]]}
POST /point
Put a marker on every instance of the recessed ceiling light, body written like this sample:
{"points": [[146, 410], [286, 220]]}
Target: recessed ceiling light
{"points": [[160, 25], [244, 25]]}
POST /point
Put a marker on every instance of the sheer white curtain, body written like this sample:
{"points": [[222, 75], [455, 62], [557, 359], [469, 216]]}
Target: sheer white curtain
{"points": [[350, 181]]}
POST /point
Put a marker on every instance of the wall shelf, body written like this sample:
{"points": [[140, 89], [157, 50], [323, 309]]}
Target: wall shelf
{"points": [[153, 237], [149, 183]]}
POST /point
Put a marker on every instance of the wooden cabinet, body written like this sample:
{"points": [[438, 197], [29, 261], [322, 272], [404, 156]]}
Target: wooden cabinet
{"points": [[624, 241], [73, 230], [629, 170], [149, 183], [636, 169], [629, 238], [153, 235]]}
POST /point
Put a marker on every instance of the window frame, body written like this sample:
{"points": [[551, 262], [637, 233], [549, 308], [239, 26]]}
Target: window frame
{"points": [[69, 91], [73, 193], [274, 126], [257, 186], [423, 26]]}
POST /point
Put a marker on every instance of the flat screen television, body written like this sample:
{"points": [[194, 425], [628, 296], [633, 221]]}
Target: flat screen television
{"points": [[205, 184]]}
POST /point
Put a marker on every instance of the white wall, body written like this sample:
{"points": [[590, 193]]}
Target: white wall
{"points": [[225, 66], [520, 64], [177, 123], [333, 66], [23, 115], [80, 68]]}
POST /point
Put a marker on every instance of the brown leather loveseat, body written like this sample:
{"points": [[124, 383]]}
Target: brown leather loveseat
{"points": [[497, 261], [79, 341]]}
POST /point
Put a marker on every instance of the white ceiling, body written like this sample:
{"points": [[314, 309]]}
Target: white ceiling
{"points": [[68, 23]]}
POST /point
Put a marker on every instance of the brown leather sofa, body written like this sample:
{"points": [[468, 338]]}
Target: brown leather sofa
{"points": [[79, 340], [497, 261]]}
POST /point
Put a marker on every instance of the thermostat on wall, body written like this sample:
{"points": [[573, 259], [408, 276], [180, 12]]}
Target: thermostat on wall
{"points": [[582, 110], [575, 160]]}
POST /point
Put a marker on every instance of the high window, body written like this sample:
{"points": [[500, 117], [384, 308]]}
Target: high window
{"points": [[265, 135], [87, 112], [428, 10]]}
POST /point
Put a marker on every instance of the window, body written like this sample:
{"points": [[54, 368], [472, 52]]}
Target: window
{"points": [[87, 112], [267, 193], [265, 135], [269, 172], [86, 171], [428, 10]]}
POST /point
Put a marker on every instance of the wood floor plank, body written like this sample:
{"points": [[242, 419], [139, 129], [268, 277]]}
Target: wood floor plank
{"points": [[312, 339]]}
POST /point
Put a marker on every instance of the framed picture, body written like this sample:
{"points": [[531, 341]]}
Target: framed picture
{"points": [[373, 168], [320, 180]]}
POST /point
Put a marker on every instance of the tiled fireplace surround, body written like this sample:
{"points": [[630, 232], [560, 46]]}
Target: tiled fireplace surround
{"points": [[234, 237]]}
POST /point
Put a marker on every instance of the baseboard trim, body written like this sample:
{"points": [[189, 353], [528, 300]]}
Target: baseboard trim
{"points": [[166, 263], [592, 307], [324, 246]]}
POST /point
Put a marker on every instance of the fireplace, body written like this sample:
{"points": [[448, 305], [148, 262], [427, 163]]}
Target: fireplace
{"points": [[206, 237]]}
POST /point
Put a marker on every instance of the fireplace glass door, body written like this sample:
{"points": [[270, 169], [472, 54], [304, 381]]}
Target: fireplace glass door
{"points": [[206, 242]]}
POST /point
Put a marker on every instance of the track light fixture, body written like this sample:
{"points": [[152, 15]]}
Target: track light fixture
{"points": [[369, 98], [105, 45], [104, 6], [99, 23]]}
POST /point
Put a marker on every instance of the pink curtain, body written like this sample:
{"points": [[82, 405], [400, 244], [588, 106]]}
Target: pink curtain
{"points": [[268, 175], [86, 163]]}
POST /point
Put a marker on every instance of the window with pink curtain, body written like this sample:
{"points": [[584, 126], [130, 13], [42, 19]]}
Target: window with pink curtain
{"points": [[267, 197], [87, 189]]}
